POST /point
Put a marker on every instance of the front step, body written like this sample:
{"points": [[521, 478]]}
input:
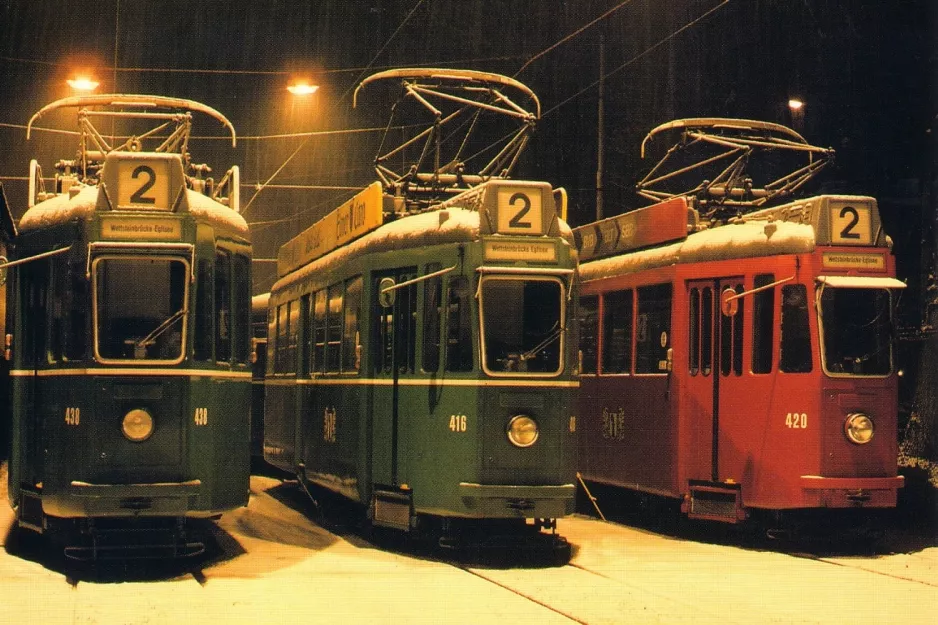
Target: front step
{"points": [[714, 501], [391, 509]]}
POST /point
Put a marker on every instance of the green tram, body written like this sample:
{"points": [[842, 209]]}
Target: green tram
{"points": [[424, 365], [129, 339]]}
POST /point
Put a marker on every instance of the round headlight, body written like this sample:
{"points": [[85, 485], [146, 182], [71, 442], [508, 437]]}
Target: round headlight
{"points": [[522, 431], [859, 428], [137, 425]]}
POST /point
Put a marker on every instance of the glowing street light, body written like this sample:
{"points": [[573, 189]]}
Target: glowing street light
{"points": [[82, 83], [302, 88], [795, 104]]}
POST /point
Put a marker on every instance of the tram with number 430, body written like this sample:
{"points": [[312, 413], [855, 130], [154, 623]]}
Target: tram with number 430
{"points": [[129, 337], [421, 360]]}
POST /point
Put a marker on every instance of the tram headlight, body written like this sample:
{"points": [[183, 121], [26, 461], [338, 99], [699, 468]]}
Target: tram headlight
{"points": [[522, 431], [137, 425], [859, 428]]}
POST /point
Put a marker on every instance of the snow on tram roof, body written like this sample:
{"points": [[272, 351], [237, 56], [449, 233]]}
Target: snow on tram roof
{"points": [[60, 209], [739, 240], [420, 230], [66, 207], [208, 209]]}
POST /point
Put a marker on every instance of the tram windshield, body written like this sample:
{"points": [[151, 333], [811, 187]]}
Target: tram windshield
{"points": [[140, 308], [522, 325], [857, 328]]}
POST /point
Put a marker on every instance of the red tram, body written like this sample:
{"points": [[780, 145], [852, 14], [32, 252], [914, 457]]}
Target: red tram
{"points": [[742, 368]]}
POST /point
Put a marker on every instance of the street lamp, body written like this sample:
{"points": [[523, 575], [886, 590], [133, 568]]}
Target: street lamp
{"points": [[82, 83], [302, 87], [796, 107]]}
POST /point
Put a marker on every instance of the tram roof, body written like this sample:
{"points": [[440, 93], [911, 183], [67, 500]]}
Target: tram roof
{"points": [[450, 225], [66, 207], [739, 240], [419, 230]]}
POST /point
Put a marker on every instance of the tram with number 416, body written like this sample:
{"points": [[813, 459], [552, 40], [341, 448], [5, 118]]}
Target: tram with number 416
{"points": [[129, 337], [421, 360], [738, 359]]}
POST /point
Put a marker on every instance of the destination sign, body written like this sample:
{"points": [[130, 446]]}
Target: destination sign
{"points": [[122, 228], [361, 214], [848, 260], [531, 251], [653, 225]]}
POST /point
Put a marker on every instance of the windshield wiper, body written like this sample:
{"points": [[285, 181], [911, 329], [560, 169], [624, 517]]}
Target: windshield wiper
{"points": [[532, 353], [158, 330]]}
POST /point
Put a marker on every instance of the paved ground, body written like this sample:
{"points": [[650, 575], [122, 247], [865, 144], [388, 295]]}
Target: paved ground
{"points": [[270, 563]]}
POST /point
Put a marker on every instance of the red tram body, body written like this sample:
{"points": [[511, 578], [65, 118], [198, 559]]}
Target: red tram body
{"points": [[745, 367]]}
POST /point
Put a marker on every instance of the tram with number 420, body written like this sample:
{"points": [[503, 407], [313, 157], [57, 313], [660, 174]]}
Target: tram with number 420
{"points": [[421, 360], [738, 359], [129, 337]]}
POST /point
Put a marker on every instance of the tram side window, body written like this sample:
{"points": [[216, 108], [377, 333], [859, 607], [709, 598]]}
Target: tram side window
{"points": [[35, 290], [318, 315], [653, 330], [458, 328], [432, 320], [796, 336], [617, 332], [68, 338], [334, 329], [589, 332], [693, 320], [222, 306], [731, 340], [272, 341], [204, 312], [763, 309], [242, 288], [288, 346], [281, 344], [351, 361]]}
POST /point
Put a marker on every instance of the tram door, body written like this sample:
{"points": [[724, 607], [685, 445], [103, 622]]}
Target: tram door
{"points": [[393, 358], [715, 353]]}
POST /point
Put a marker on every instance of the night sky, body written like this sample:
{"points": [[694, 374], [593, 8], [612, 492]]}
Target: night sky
{"points": [[866, 71]]}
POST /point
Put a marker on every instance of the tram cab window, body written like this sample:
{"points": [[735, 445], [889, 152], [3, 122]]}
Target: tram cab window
{"points": [[763, 324], [140, 307], [617, 332], [523, 325], [653, 328], [796, 333], [458, 328], [589, 332], [857, 331], [432, 320]]}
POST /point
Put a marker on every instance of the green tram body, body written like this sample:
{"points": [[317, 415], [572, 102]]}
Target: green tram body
{"points": [[404, 407], [146, 312]]}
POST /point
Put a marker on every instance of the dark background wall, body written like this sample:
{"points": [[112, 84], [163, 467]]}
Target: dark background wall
{"points": [[866, 70]]}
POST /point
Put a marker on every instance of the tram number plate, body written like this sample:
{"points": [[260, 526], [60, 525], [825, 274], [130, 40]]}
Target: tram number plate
{"points": [[850, 225], [797, 420], [143, 185], [520, 211]]}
